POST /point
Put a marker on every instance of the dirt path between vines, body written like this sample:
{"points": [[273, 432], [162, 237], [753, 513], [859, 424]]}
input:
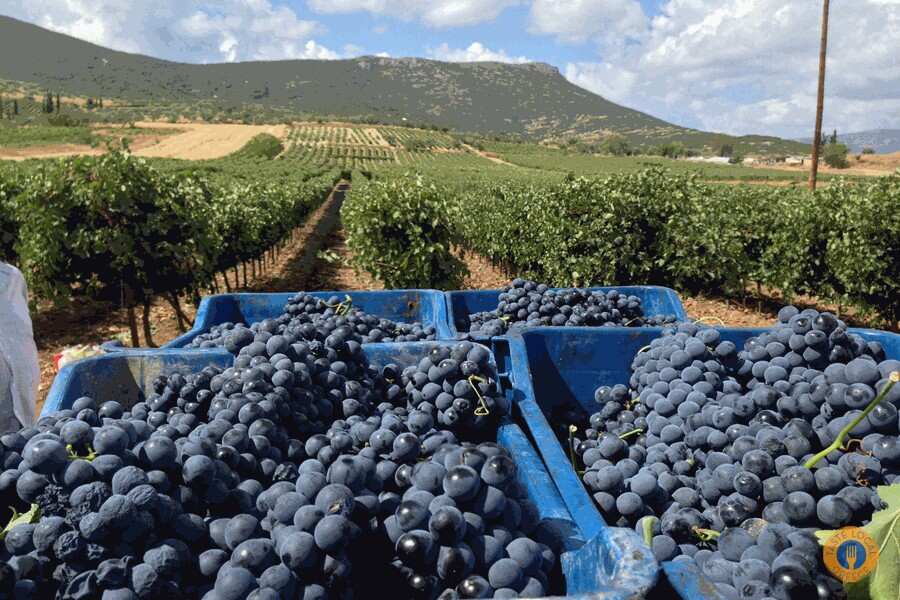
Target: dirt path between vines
{"points": [[491, 157]]}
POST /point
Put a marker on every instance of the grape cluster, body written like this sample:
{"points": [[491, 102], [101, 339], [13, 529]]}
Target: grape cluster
{"points": [[300, 471], [525, 304], [313, 319], [710, 441]]}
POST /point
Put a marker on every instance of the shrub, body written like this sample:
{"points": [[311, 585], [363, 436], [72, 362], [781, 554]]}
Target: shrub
{"points": [[835, 156], [64, 121], [670, 150], [263, 146], [616, 145], [401, 232], [9, 226], [863, 250], [868, 150], [87, 224]]}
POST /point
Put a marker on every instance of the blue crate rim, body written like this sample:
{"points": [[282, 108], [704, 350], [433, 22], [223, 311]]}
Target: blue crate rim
{"points": [[200, 326], [672, 295]]}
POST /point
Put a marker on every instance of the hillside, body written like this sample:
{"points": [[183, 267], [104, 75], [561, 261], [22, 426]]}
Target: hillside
{"points": [[882, 141], [532, 99]]}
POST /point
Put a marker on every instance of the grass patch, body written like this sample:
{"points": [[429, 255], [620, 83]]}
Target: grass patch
{"points": [[39, 135], [263, 145], [554, 159]]}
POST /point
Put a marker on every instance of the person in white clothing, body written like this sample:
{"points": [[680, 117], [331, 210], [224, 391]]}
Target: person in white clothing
{"points": [[19, 370]]}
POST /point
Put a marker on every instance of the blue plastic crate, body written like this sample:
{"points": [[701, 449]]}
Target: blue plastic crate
{"points": [[608, 563], [548, 367], [423, 306], [655, 301]]}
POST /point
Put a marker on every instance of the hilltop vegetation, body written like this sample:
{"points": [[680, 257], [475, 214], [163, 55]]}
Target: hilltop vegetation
{"points": [[532, 100]]}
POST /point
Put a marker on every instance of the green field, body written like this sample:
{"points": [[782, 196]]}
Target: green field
{"points": [[546, 158], [38, 135]]}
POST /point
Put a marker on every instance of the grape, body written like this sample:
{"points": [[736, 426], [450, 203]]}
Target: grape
{"points": [[524, 304], [629, 504], [45, 456], [733, 542], [527, 553], [311, 319], [233, 583], [476, 587], [255, 555], [833, 511], [724, 432], [664, 548], [447, 525], [211, 561], [332, 533], [505, 573], [461, 482]]}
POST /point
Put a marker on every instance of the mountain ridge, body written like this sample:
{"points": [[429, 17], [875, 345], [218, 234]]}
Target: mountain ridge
{"points": [[528, 99], [882, 141]]}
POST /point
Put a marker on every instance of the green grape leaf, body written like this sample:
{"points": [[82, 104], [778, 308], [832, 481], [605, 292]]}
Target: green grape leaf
{"points": [[824, 534], [32, 516], [883, 583]]}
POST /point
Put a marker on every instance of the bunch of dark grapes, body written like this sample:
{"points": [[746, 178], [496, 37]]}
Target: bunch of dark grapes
{"points": [[308, 318], [711, 441], [524, 304], [300, 471]]}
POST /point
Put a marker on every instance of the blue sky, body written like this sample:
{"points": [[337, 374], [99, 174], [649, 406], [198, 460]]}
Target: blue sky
{"points": [[737, 66], [375, 33]]}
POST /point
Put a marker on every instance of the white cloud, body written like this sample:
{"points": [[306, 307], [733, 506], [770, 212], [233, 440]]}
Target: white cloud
{"points": [[580, 20], [750, 66], [476, 52], [434, 13], [184, 30]]}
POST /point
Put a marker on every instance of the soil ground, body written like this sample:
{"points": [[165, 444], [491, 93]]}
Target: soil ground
{"points": [[489, 155], [206, 140], [862, 164], [191, 141]]}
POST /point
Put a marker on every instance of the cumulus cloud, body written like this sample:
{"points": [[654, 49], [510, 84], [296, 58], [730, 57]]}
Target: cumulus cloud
{"points": [[434, 13], [580, 20], [749, 66], [184, 30], [475, 52]]}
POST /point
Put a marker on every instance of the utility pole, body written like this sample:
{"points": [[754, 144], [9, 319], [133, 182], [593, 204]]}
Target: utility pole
{"points": [[820, 100]]}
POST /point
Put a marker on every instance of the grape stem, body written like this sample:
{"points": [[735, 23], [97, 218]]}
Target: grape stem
{"points": [[647, 528], [703, 320], [838, 443], [572, 430], [706, 535], [630, 433], [481, 410], [73, 455]]}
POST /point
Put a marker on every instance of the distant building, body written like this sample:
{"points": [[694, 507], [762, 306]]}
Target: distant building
{"points": [[719, 160]]}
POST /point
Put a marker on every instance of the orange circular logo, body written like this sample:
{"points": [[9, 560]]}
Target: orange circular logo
{"points": [[850, 554]]}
